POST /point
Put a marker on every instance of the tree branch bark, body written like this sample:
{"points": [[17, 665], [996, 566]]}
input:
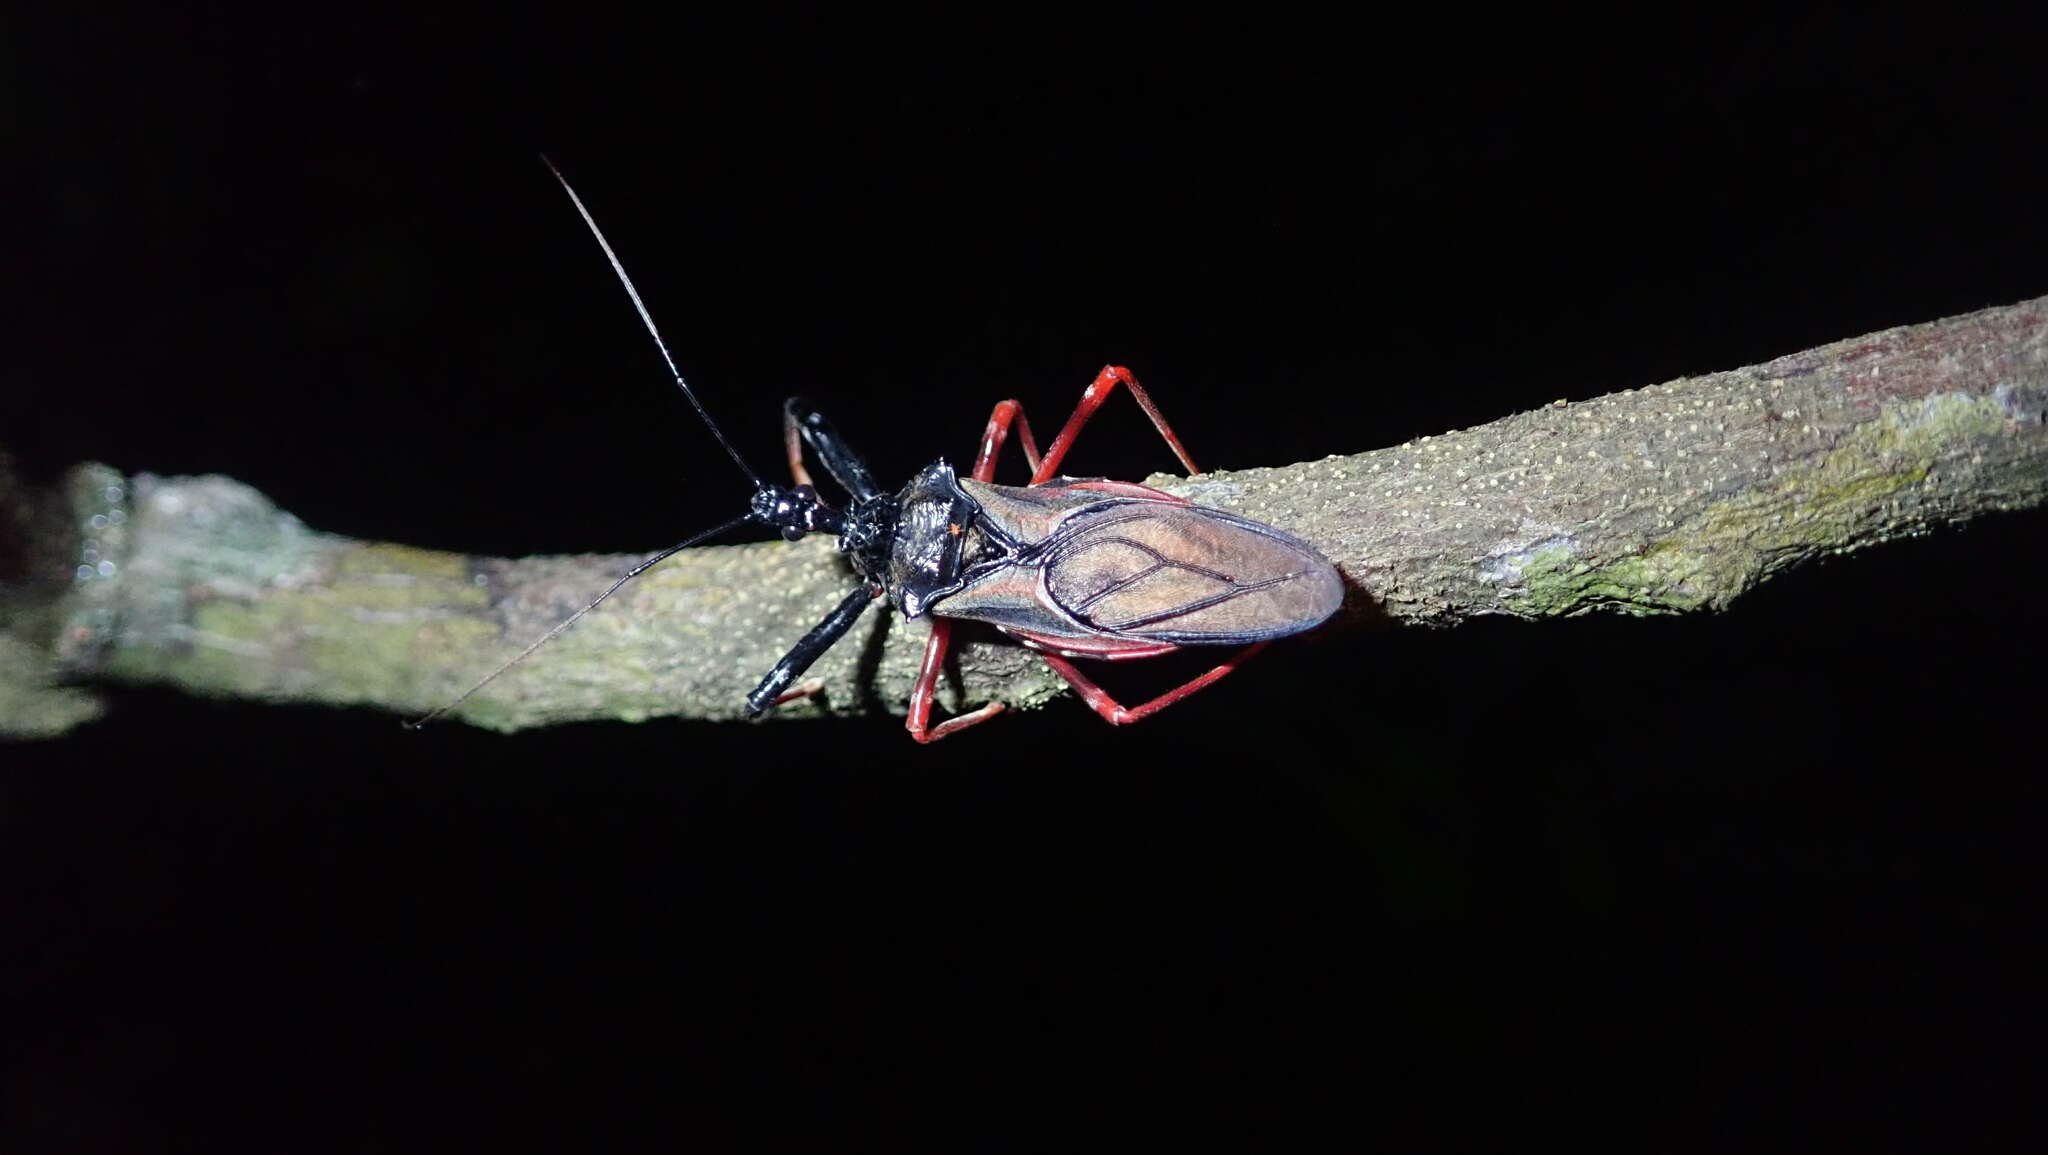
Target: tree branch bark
{"points": [[1673, 498]]}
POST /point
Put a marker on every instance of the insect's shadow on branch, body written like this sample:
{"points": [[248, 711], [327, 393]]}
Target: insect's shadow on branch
{"points": [[956, 683], [867, 670], [1360, 609]]}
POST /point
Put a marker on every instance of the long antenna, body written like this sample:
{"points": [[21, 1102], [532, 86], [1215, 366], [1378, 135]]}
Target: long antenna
{"points": [[571, 620], [648, 320]]}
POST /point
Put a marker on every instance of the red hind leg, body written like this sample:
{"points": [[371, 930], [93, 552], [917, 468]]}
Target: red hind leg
{"points": [[927, 679], [1006, 413], [808, 688], [793, 444], [1092, 398], [998, 431], [1118, 714]]}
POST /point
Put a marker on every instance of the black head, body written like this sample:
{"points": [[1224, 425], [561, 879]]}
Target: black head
{"points": [[795, 512], [865, 530]]}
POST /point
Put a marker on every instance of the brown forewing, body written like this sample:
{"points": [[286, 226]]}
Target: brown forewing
{"points": [[1121, 560]]}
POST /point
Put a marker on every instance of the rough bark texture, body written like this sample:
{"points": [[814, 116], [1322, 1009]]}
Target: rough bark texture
{"points": [[1668, 499]]}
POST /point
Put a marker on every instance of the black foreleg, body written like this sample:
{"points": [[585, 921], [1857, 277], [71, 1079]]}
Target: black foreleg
{"points": [[808, 649], [801, 421]]}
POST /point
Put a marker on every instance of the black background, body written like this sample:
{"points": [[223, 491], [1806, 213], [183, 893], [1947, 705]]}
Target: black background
{"points": [[1675, 884]]}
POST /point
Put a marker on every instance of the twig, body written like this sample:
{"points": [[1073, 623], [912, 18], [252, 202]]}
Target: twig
{"points": [[1668, 499]]}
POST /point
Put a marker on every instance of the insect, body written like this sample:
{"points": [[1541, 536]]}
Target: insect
{"points": [[1075, 568]]}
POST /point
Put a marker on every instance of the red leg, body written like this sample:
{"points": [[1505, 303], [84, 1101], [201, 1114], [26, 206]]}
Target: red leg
{"points": [[807, 688], [1118, 714], [1005, 414], [927, 678], [998, 431], [804, 689], [793, 442], [1092, 398]]}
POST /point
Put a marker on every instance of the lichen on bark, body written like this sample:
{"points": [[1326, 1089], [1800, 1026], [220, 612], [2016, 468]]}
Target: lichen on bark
{"points": [[1675, 498]]}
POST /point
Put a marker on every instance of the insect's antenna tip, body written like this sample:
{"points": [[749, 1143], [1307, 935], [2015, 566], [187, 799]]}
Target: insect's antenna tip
{"points": [[572, 619], [647, 319]]}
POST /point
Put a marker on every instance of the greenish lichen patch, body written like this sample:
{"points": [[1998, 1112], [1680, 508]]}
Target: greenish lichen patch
{"points": [[1941, 422], [33, 702], [388, 578], [1660, 581], [383, 561], [276, 645], [441, 634], [492, 714], [1713, 551], [1826, 506]]}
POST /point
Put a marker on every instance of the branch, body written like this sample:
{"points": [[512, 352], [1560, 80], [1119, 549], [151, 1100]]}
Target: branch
{"points": [[1673, 498]]}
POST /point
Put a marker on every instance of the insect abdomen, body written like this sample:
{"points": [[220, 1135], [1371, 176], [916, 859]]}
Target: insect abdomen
{"points": [[1126, 562], [1188, 575]]}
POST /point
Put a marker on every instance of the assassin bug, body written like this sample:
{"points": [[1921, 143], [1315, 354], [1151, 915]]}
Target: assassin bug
{"points": [[1071, 567]]}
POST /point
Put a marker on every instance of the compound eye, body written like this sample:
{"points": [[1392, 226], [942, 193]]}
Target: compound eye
{"points": [[792, 533]]}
